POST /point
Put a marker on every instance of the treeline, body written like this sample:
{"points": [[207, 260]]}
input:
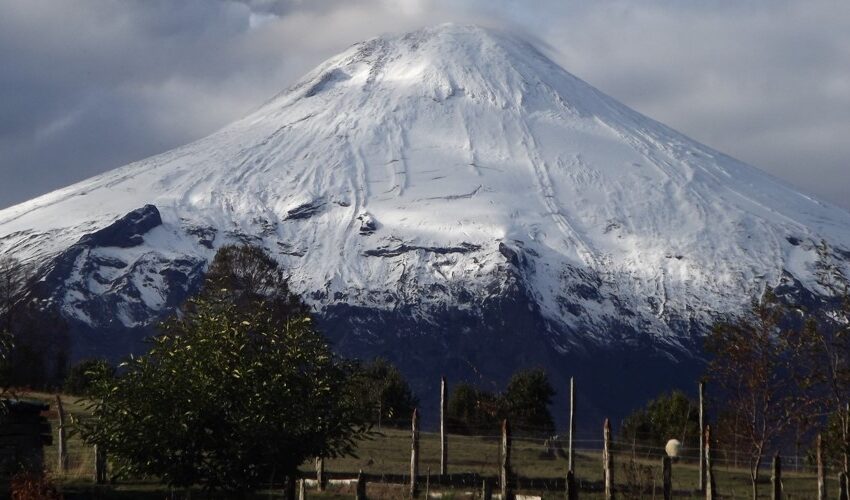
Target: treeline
{"points": [[525, 401]]}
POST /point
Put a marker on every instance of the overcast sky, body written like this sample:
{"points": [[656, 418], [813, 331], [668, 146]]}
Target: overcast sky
{"points": [[89, 85]]}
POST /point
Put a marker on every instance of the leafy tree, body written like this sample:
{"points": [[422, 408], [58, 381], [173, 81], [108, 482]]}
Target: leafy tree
{"points": [[526, 402], [753, 368], [231, 395], [668, 416], [81, 377], [385, 396], [244, 274], [470, 410]]}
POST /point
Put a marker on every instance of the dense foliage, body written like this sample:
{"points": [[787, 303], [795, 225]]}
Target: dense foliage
{"points": [[668, 416], [236, 392], [472, 411], [525, 402], [383, 395]]}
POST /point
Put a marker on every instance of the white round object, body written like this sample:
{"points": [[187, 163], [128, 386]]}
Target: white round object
{"points": [[673, 447]]}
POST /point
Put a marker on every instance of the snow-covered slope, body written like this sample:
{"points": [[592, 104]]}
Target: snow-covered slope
{"points": [[441, 171]]}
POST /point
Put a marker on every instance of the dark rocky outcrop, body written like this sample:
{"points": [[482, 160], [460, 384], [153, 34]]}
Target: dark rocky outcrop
{"points": [[305, 211], [404, 248], [104, 298], [128, 231], [368, 224]]}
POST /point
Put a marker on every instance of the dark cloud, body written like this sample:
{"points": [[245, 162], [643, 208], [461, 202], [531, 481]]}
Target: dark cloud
{"points": [[92, 84]]}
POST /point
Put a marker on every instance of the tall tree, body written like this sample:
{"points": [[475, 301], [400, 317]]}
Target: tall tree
{"points": [[250, 278], [823, 355], [37, 334], [384, 394], [13, 276], [526, 402], [752, 366], [473, 411], [232, 394]]}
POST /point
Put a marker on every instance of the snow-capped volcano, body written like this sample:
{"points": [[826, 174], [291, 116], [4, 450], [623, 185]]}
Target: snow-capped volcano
{"points": [[431, 179]]}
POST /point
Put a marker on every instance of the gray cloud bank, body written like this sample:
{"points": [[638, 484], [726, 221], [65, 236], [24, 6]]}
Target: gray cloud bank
{"points": [[89, 85]]}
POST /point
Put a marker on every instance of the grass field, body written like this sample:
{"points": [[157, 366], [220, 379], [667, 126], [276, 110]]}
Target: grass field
{"points": [[389, 453]]}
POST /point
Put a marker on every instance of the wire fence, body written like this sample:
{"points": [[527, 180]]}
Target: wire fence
{"points": [[538, 464]]}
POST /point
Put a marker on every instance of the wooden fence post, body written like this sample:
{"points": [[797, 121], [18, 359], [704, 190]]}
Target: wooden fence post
{"points": [[301, 492], [505, 469], [63, 443], [487, 490], [414, 454], [99, 465], [360, 489], [444, 450], [776, 478], [572, 488], [570, 456], [710, 486], [320, 473], [701, 441], [667, 477], [428, 483], [607, 461], [821, 471]]}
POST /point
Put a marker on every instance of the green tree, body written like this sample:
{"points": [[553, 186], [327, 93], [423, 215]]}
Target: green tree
{"points": [[526, 402], [668, 416], [472, 411], [231, 395], [384, 394], [81, 376]]}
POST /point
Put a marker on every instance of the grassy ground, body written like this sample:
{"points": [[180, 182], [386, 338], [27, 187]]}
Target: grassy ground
{"points": [[389, 453]]}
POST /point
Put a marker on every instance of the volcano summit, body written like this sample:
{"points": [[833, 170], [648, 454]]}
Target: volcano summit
{"points": [[453, 200]]}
